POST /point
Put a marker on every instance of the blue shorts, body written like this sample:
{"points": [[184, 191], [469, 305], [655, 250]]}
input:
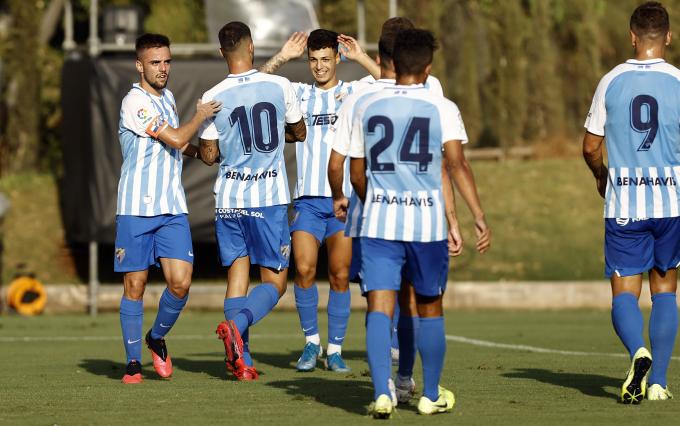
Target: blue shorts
{"points": [[141, 240], [315, 215], [426, 265], [260, 233], [633, 246], [355, 265]]}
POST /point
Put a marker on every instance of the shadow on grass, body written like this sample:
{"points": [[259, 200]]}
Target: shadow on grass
{"points": [[588, 384], [213, 367], [351, 395], [114, 370]]}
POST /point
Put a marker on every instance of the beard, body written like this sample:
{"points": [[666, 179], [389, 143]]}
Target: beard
{"points": [[158, 83]]}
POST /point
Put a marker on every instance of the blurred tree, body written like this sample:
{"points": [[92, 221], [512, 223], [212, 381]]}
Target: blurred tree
{"points": [[19, 150]]}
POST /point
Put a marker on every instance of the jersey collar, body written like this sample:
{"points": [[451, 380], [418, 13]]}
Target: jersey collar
{"points": [[243, 74], [646, 61], [139, 86]]}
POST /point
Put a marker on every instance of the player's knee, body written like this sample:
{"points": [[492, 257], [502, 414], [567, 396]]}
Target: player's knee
{"points": [[339, 280], [305, 274], [179, 286], [134, 288]]}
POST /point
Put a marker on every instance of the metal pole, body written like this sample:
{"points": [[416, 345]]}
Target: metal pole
{"points": [[94, 277], [393, 8], [93, 41], [68, 44], [361, 22]]}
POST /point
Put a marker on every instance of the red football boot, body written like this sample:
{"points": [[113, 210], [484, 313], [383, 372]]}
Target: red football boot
{"points": [[159, 353], [133, 373], [233, 345], [243, 372]]}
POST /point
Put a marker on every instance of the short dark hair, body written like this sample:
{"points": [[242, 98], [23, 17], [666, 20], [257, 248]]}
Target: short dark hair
{"points": [[413, 50], [390, 29], [321, 39], [650, 20], [396, 24], [150, 40], [232, 34]]}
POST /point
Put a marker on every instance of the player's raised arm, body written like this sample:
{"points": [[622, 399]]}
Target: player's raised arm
{"points": [[293, 48], [352, 50], [594, 157], [460, 171], [179, 137]]}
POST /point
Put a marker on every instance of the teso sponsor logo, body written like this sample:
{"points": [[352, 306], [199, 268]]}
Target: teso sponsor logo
{"points": [[323, 119]]}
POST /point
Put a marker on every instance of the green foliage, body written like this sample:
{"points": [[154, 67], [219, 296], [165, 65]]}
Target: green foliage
{"points": [[183, 21]]}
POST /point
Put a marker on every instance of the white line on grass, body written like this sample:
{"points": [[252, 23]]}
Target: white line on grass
{"points": [[535, 349], [458, 339]]}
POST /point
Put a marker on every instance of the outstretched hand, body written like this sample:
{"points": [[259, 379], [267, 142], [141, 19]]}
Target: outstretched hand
{"points": [[208, 109], [294, 46]]}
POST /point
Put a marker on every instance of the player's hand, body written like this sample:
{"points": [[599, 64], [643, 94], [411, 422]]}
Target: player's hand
{"points": [[340, 207], [208, 109], [483, 235], [350, 47], [294, 46], [455, 241]]}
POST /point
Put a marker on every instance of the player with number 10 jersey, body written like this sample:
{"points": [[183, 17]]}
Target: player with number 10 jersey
{"points": [[260, 114]]}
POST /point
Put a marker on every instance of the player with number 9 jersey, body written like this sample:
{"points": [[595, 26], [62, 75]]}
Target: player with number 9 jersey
{"points": [[636, 106]]}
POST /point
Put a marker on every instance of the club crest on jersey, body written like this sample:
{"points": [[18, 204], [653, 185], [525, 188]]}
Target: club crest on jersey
{"points": [[120, 254], [142, 114], [323, 119], [285, 250]]}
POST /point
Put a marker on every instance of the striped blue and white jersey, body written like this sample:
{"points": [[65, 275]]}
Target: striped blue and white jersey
{"points": [[320, 109], [251, 133], [151, 176], [637, 108], [432, 83], [403, 130], [341, 144]]}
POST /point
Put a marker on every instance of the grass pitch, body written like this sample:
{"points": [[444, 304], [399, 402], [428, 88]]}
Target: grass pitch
{"points": [[67, 370]]}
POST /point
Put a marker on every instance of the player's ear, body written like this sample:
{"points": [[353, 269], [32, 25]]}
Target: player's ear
{"points": [[669, 36], [633, 38], [223, 54], [337, 57], [138, 65], [428, 69]]}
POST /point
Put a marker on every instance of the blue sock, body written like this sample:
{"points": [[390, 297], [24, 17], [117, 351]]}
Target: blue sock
{"points": [[432, 348], [378, 351], [169, 309], [338, 316], [628, 323], [307, 303], [259, 303], [406, 332], [131, 317], [395, 326], [233, 306], [663, 326]]}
